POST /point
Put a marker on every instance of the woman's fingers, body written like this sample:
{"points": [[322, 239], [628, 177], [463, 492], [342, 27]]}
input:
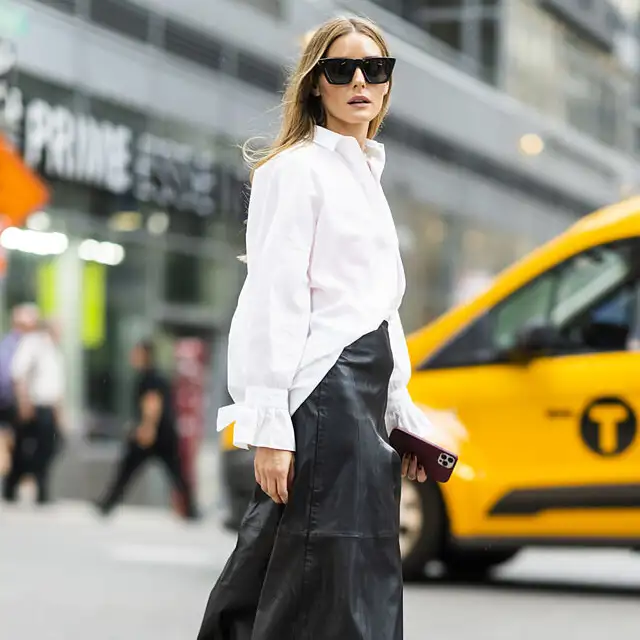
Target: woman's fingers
{"points": [[258, 475], [413, 468], [282, 490], [272, 488], [274, 469], [422, 474], [405, 465], [291, 473]]}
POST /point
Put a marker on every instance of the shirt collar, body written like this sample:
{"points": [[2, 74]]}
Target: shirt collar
{"points": [[373, 151]]}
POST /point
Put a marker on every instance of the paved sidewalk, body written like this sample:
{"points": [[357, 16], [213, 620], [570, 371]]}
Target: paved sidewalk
{"points": [[65, 574]]}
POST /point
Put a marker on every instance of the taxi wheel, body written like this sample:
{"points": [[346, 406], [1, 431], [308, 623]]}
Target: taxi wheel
{"points": [[421, 526], [474, 565]]}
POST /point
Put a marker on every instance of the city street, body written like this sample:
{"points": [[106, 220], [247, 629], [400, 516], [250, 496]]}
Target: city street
{"points": [[142, 575]]}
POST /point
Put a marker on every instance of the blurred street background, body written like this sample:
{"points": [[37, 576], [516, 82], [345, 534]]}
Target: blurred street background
{"points": [[123, 195]]}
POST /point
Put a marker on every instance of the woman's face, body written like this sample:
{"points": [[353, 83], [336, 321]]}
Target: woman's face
{"points": [[344, 113]]}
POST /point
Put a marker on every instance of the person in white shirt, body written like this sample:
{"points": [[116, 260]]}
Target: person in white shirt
{"points": [[318, 365], [37, 370], [24, 318]]}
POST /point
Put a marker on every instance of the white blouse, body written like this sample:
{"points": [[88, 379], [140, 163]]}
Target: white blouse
{"points": [[324, 269]]}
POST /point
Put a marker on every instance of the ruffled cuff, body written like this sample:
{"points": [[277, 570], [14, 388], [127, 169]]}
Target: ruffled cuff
{"points": [[262, 420], [402, 412]]}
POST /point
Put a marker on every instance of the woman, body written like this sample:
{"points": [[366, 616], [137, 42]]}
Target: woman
{"points": [[318, 365]]}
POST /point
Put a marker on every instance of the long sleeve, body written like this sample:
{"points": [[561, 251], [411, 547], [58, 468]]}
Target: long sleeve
{"points": [[271, 324], [401, 411]]}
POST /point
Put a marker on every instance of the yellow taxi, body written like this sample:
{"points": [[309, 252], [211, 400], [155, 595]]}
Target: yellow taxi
{"points": [[543, 371], [535, 383]]}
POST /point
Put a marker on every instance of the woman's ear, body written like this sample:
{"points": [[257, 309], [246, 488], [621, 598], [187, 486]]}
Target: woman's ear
{"points": [[315, 90]]}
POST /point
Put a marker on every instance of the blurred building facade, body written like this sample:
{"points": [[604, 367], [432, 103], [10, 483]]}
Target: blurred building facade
{"points": [[573, 60], [509, 121]]}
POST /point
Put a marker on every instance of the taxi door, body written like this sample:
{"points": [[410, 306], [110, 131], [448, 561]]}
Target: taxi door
{"points": [[589, 393]]}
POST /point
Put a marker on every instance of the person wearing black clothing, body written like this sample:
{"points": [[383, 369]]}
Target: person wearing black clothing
{"points": [[154, 434]]}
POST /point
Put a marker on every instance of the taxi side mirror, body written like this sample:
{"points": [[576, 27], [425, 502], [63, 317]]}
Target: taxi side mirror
{"points": [[534, 342]]}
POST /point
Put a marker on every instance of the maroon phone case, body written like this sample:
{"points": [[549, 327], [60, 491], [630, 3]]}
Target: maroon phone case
{"points": [[437, 462]]}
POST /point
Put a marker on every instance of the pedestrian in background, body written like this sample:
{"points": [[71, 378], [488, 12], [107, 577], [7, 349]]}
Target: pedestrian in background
{"points": [[154, 434], [318, 365], [39, 379], [24, 318]]}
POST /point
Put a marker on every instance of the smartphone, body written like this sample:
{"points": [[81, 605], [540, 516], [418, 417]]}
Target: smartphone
{"points": [[437, 461]]}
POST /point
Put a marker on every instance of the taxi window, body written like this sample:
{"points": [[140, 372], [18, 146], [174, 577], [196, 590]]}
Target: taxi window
{"points": [[606, 326], [562, 297], [587, 279], [530, 305], [557, 297]]}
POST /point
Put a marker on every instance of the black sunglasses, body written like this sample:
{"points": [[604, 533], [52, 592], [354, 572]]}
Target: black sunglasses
{"points": [[341, 70]]}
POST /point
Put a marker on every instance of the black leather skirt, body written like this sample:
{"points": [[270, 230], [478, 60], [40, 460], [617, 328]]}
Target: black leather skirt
{"points": [[326, 566]]}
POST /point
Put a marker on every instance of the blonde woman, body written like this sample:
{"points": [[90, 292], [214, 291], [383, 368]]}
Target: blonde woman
{"points": [[318, 365]]}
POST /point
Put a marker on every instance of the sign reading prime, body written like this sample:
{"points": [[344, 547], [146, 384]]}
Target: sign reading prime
{"points": [[78, 148]]}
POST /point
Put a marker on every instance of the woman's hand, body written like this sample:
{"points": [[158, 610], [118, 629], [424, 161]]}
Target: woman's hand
{"points": [[412, 470], [274, 472]]}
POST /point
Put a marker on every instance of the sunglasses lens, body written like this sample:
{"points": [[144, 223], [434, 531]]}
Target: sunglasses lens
{"points": [[339, 71], [378, 70]]}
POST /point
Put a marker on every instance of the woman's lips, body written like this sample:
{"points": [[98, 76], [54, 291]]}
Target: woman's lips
{"points": [[359, 101]]}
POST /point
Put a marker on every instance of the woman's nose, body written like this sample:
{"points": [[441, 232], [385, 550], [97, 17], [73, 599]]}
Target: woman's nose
{"points": [[358, 77]]}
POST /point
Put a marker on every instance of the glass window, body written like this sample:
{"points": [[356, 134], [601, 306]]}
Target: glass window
{"points": [[590, 90], [193, 44], [605, 327], [438, 4], [608, 113], [483, 251], [449, 32], [560, 297], [272, 7], [24, 277], [589, 299], [528, 306], [259, 72], [69, 6], [395, 6], [182, 278], [616, 310], [471, 347], [586, 279], [636, 139], [194, 279], [427, 241], [129, 294], [124, 17], [489, 30]]}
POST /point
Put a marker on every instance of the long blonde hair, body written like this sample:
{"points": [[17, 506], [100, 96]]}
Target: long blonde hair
{"points": [[301, 109]]}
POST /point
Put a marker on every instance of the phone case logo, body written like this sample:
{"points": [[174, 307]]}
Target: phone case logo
{"points": [[446, 461]]}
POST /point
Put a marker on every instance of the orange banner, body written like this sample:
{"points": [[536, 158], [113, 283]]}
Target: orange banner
{"points": [[21, 190]]}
